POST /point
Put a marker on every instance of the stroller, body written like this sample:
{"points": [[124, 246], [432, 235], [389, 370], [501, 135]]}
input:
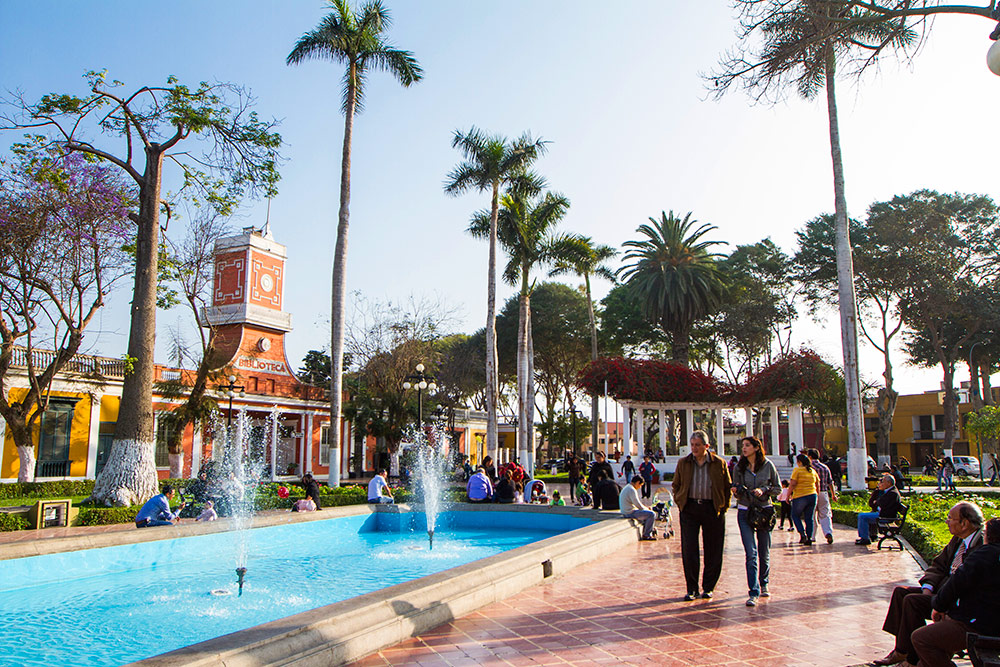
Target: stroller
{"points": [[663, 500]]}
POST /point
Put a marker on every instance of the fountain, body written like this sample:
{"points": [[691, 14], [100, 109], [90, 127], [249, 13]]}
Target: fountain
{"points": [[430, 472]]}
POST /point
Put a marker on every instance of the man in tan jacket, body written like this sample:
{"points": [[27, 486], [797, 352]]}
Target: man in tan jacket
{"points": [[702, 489]]}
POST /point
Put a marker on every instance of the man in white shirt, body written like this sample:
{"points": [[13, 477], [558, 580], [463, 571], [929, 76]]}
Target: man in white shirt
{"points": [[377, 486], [632, 508]]}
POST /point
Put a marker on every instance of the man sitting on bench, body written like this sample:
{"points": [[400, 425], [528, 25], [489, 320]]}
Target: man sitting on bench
{"points": [[885, 501], [910, 606]]}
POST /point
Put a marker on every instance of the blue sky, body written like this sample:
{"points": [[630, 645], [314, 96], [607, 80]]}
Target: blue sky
{"points": [[615, 87]]}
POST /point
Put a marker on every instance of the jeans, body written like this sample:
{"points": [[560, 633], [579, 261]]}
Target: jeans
{"points": [[153, 522], [628, 476], [824, 513], [646, 518], [802, 511], [757, 546], [865, 521], [647, 487]]}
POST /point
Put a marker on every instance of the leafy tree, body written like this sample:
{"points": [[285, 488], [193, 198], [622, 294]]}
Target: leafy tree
{"points": [[490, 163], [355, 39], [625, 330], [63, 222], [584, 258], [799, 44], [145, 133], [560, 433], [675, 277], [315, 368], [525, 229]]}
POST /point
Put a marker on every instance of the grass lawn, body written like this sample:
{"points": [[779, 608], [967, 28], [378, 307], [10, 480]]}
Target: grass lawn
{"points": [[26, 500]]}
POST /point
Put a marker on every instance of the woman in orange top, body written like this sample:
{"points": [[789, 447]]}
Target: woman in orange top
{"points": [[804, 486]]}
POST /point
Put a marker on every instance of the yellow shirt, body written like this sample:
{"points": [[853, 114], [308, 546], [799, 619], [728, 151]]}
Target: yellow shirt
{"points": [[806, 482]]}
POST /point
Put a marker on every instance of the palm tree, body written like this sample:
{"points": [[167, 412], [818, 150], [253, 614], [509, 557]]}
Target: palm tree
{"points": [[802, 44], [584, 258], [490, 163], [675, 277], [524, 229], [355, 39]]}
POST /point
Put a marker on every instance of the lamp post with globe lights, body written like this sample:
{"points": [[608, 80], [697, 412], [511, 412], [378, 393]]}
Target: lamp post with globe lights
{"points": [[993, 55], [230, 391], [420, 381]]}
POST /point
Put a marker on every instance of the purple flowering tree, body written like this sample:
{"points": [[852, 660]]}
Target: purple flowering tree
{"points": [[63, 224], [209, 143]]}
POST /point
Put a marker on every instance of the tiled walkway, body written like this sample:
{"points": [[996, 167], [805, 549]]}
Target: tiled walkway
{"points": [[827, 609]]}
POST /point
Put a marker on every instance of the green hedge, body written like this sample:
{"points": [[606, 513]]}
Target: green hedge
{"points": [[106, 516], [11, 522], [58, 489]]}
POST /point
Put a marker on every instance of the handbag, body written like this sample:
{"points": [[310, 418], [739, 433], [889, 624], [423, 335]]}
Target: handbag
{"points": [[761, 517]]}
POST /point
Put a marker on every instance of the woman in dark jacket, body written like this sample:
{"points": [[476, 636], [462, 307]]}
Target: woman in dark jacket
{"points": [[505, 490], [311, 489], [755, 482]]}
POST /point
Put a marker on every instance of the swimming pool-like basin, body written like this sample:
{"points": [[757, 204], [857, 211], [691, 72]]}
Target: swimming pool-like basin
{"points": [[119, 604]]}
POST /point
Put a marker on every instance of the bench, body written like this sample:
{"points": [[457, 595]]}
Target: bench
{"points": [[983, 651], [889, 529]]}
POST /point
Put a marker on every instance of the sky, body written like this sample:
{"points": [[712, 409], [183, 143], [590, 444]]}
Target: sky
{"points": [[616, 88]]}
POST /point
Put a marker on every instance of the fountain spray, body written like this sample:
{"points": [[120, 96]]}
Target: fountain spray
{"points": [[430, 538], [240, 573]]}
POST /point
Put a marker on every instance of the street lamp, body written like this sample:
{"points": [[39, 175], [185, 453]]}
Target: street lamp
{"points": [[230, 390], [993, 55], [575, 413], [420, 380], [973, 382]]}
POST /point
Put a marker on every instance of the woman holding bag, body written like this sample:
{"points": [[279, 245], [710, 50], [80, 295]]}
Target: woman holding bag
{"points": [[755, 482]]}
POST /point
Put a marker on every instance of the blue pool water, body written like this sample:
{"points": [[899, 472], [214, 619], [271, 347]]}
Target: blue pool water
{"points": [[120, 604]]}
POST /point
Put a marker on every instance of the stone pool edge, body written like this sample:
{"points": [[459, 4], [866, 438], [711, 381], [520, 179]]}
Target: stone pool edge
{"points": [[352, 629]]}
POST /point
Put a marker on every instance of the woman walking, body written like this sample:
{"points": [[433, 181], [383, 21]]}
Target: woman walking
{"points": [[755, 482], [804, 486]]}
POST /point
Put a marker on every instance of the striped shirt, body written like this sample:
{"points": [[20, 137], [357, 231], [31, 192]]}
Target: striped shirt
{"points": [[701, 483], [824, 474]]}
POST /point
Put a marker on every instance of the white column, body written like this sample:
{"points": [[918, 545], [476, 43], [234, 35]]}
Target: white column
{"points": [[720, 431], [274, 443], [775, 431], [626, 432], [93, 439], [662, 416], [796, 431], [196, 449], [364, 453], [748, 413], [640, 432], [689, 428], [307, 464]]}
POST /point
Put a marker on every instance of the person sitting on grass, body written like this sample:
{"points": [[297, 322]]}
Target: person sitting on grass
{"points": [[156, 511], [480, 488], [557, 499], [209, 513], [885, 502], [378, 489]]}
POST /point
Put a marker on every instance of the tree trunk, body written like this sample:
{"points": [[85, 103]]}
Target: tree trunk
{"points": [[338, 294], [950, 406], [975, 397], [885, 404], [680, 343], [984, 374], [857, 453], [26, 463], [530, 411], [523, 398], [492, 383], [594, 406], [129, 477]]}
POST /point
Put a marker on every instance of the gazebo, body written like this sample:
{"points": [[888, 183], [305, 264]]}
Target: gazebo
{"points": [[645, 385]]}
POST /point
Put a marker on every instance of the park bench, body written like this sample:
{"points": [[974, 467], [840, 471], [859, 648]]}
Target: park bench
{"points": [[983, 651], [889, 529]]}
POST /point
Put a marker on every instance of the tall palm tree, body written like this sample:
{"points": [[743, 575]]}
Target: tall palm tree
{"points": [[584, 258], [490, 163], [803, 41], [355, 39], [524, 229], [675, 277]]}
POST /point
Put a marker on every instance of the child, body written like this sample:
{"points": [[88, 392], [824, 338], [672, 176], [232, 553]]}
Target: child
{"points": [[582, 495], [786, 505], [304, 505], [557, 499], [208, 514], [518, 494], [538, 494]]}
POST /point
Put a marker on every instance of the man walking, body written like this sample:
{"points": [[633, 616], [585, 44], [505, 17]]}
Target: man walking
{"points": [[632, 508], [702, 489], [825, 495]]}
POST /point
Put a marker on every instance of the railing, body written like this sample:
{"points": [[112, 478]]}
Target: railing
{"points": [[85, 364], [52, 468], [928, 435]]}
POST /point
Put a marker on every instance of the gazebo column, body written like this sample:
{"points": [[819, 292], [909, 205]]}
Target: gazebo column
{"points": [[640, 432], [626, 432], [748, 413], [689, 429], [720, 432], [775, 431], [662, 417], [796, 432]]}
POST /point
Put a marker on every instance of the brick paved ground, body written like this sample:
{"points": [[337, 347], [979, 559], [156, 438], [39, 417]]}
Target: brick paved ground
{"points": [[827, 609]]}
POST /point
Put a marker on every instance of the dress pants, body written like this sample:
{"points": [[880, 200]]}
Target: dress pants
{"points": [[824, 513], [938, 642], [702, 517], [909, 609]]}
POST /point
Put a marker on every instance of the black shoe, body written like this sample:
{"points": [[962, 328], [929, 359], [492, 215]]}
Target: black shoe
{"points": [[862, 542], [707, 595], [829, 538], [651, 538], [691, 596]]}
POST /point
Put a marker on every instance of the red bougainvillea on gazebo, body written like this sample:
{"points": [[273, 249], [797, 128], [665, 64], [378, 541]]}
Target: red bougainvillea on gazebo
{"points": [[652, 381]]}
